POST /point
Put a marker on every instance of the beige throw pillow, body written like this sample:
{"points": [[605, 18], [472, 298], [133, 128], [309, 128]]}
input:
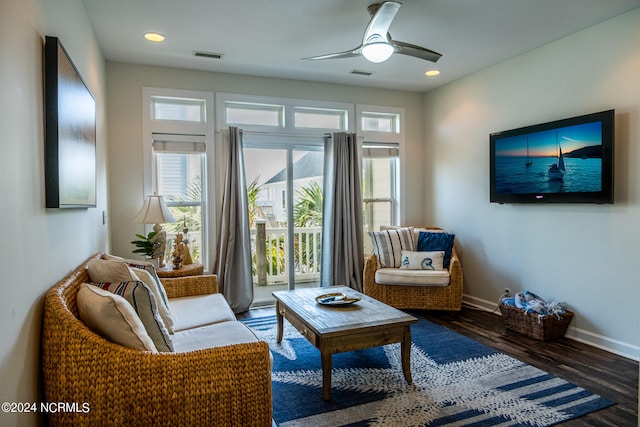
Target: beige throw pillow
{"points": [[131, 262], [101, 271], [117, 270], [144, 304], [112, 317], [148, 267]]}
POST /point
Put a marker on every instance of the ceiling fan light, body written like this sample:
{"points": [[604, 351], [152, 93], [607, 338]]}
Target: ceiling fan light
{"points": [[377, 52]]}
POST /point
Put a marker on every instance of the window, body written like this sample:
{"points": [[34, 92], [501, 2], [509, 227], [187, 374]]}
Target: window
{"points": [[283, 154], [177, 130], [382, 177], [282, 115], [179, 109], [379, 186], [244, 113], [318, 118], [380, 122], [180, 166], [269, 122]]}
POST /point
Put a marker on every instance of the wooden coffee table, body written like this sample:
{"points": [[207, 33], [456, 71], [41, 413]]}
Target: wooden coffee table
{"points": [[336, 329]]}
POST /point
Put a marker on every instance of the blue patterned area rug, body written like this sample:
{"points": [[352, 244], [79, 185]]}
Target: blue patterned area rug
{"points": [[456, 381]]}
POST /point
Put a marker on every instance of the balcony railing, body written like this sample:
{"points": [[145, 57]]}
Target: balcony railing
{"points": [[270, 253]]}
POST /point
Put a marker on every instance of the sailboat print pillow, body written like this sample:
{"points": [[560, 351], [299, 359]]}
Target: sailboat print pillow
{"points": [[433, 261]]}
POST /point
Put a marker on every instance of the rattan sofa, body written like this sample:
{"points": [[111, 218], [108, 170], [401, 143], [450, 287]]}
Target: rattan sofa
{"points": [[221, 386], [448, 298]]}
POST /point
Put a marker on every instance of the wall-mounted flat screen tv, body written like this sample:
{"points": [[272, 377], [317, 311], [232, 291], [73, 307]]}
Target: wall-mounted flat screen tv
{"points": [[564, 161]]}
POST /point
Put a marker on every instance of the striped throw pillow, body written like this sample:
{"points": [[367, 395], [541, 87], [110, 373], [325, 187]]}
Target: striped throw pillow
{"points": [[389, 244], [115, 270], [145, 305], [159, 293], [143, 265]]}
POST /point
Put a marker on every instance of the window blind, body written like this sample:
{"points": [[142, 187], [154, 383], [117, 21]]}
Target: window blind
{"points": [[174, 143]]}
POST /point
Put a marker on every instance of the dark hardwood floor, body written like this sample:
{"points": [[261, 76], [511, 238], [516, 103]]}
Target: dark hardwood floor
{"points": [[601, 372]]}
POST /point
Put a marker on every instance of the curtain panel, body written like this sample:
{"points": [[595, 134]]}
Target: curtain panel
{"points": [[342, 241], [233, 264]]}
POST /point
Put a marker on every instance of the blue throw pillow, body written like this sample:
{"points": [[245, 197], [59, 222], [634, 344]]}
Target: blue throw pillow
{"points": [[436, 242]]}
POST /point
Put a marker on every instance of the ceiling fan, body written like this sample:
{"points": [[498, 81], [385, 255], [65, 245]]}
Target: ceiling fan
{"points": [[377, 44]]}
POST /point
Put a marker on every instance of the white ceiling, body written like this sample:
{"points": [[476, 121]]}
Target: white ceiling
{"points": [[263, 38]]}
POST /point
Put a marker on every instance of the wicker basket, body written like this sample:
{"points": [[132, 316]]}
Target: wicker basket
{"points": [[544, 328]]}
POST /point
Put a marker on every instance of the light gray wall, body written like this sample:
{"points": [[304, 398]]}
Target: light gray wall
{"points": [[41, 245], [582, 254], [125, 83]]}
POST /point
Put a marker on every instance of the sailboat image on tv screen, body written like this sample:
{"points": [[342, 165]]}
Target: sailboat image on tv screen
{"points": [[529, 162], [556, 170]]}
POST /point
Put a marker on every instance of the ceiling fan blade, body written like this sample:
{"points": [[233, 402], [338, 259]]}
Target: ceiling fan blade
{"points": [[346, 54], [381, 20], [413, 50]]}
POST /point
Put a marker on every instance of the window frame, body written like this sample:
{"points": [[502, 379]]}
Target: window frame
{"points": [[177, 100], [255, 106], [203, 131], [353, 122], [396, 136], [394, 187], [290, 106]]}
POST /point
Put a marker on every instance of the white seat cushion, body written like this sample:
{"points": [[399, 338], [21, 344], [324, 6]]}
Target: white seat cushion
{"points": [[397, 276], [201, 310], [216, 335]]}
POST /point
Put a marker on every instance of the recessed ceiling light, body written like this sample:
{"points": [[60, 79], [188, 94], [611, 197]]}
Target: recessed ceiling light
{"points": [[154, 37], [432, 73]]}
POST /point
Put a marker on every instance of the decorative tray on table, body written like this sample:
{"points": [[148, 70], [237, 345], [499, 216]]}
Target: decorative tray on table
{"points": [[337, 298]]}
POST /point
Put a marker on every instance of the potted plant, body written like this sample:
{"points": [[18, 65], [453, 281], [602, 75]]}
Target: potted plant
{"points": [[147, 245]]}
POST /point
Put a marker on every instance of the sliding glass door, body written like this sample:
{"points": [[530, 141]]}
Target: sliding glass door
{"points": [[284, 180]]}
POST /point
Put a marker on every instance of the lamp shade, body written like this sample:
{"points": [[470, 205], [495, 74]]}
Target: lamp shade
{"points": [[154, 211], [377, 51]]}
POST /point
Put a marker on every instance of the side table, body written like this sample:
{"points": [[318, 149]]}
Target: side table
{"points": [[185, 270]]}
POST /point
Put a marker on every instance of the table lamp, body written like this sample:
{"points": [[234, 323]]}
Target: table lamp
{"points": [[155, 211]]}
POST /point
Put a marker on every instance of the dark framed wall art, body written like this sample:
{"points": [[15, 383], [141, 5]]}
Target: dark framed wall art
{"points": [[70, 132]]}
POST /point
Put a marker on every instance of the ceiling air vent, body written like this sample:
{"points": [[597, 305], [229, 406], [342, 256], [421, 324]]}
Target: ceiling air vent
{"points": [[362, 72], [209, 55]]}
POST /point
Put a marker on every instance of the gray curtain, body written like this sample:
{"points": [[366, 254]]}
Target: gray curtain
{"points": [[234, 243], [342, 245]]}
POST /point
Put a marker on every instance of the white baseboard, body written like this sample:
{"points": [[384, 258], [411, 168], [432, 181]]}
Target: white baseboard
{"points": [[595, 340]]}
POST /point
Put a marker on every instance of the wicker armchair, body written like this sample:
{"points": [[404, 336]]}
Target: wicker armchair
{"points": [[228, 386], [416, 297]]}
